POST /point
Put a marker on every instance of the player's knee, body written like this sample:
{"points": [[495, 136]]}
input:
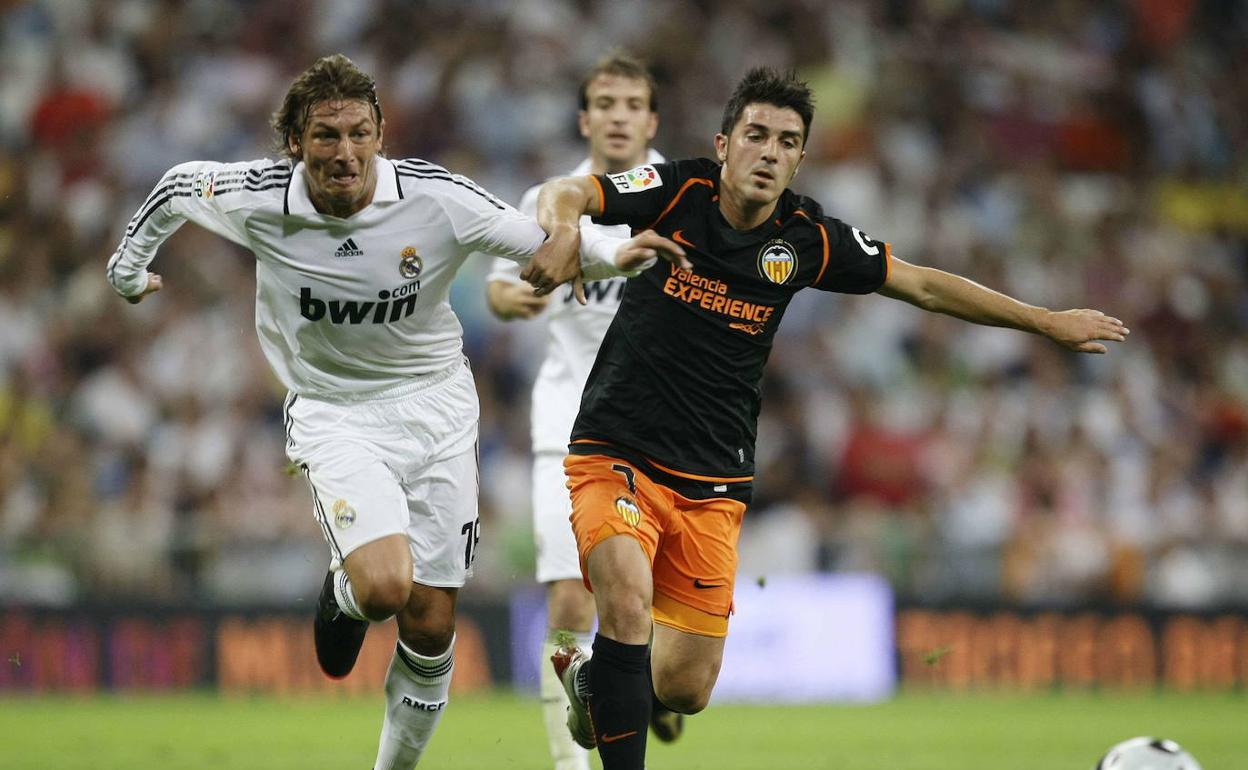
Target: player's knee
{"points": [[383, 598], [624, 611], [683, 684], [684, 700], [624, 598], [428, 641]]}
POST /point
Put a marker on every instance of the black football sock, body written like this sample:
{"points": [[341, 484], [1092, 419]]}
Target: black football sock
{"points": [[620, 702]]}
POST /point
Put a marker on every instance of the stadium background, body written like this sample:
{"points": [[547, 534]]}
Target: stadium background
{"points": [[1045, 521]]}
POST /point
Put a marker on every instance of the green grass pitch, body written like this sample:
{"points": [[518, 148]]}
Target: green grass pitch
{"points": [[502, 731]]}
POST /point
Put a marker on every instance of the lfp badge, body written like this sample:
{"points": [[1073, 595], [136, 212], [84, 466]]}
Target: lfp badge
{"points": [[636, 179], [777, 261]]}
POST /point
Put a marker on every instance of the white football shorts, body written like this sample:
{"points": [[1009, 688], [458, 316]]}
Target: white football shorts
{"points": [[404, 461], [557, 557]]}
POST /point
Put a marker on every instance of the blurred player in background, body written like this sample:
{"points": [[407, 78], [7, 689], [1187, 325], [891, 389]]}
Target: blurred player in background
{"points": [[618, 118], [662, 456], [354, 259]]}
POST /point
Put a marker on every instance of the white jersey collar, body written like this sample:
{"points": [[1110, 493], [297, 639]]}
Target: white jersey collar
{"points": [[652, 156], [299, 203]]}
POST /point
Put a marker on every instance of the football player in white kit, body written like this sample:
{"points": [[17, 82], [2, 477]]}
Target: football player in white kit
{"points": [[618, 118], [355, 254]]}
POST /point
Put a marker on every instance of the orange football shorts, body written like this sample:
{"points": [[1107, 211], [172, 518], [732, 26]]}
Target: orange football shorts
{"points": [[691, 544]]}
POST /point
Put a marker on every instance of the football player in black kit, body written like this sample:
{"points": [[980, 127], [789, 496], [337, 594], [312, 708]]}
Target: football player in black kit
{"points": [[662, 454]]}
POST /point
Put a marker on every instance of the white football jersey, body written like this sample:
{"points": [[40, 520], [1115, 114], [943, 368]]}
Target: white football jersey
{"points": [[574, 332], [344, 307]]}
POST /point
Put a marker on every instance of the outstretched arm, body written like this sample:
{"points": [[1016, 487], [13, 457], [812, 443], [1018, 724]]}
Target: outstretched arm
{"points": [[942, 292], [560, 206], [176, 199], [158, 219]]}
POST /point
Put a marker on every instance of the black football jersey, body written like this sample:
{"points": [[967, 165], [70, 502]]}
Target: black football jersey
{"points": [[676, 380]]}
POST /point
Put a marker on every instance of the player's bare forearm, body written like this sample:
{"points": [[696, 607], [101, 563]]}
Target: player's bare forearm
{"points": [[941, 292], [557, 261], [560, 206], [510, 301], [562, 202]]}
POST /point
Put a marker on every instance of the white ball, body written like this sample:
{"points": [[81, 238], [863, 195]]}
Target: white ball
{"points": [[1147, 754]]}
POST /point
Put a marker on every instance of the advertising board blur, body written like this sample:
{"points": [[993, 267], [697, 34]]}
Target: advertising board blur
{"points": [[826, 639], [1117, 649], [795, 639]]}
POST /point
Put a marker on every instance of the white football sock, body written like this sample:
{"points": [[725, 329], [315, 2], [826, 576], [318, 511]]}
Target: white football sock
{"points": [[565, 752], [345, 596], [417, 690]]}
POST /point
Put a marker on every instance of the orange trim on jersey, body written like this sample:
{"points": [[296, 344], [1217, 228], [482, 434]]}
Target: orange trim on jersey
{"points": [[888, 261], [826, 251], [696, 477], [824, 233], [679, 193], [590, 441], [602, 194]]}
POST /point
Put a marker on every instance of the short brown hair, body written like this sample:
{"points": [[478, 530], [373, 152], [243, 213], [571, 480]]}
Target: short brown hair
{"points": [[329, 78], [624, 65], [763, 85]]}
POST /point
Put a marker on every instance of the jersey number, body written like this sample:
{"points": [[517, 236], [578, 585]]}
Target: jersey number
{"points": [[872, 250], [628, 476], [472, 536]]}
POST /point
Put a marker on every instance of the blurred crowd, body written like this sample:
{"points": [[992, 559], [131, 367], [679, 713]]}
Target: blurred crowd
{"points": [[1075, 153]]}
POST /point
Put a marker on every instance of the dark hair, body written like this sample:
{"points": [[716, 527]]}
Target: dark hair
{"points": [[624, 65], [763, 85], [329, 78]]}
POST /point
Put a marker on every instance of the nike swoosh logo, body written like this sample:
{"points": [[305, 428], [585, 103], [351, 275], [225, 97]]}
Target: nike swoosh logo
{"points": [[679, 238], [697, 583], [620, 737]]}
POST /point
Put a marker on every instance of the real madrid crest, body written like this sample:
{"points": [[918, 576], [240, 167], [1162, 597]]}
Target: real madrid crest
{"points": [[410, 263], [344, 514], [777, 261]]}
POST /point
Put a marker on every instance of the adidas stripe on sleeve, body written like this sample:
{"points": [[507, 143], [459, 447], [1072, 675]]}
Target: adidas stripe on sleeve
{"points": [[480, 221], [484, 223], [203, 192], [504, 269]]}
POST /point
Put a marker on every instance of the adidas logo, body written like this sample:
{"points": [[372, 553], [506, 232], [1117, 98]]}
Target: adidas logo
{"points": [[348, 249]]}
